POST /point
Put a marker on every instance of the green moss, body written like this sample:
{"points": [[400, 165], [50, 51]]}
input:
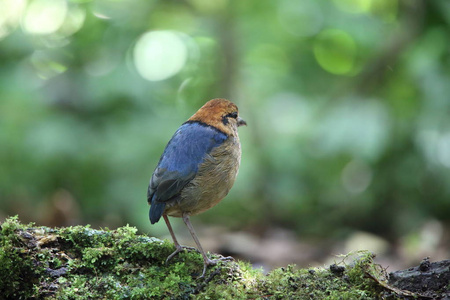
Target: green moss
{"points": [[17, 269], [83, 263]]}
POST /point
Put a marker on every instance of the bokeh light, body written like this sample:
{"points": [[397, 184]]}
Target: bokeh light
{"points": [[44, 16], [356, 176], [335, 51], [73, 22], [159, 55], [10, 14]]}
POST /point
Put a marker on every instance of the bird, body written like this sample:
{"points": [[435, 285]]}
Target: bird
{"points": [[197, 169]]}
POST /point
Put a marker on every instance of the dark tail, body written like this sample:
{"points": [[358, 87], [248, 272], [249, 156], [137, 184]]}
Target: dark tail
{"points": [[156, 211]]}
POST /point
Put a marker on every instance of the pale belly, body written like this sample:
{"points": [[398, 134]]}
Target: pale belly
{"points": [[215, 178]]}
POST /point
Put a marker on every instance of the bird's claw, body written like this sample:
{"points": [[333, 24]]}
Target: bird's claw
{"points": [[178, 249], [213, 262]]}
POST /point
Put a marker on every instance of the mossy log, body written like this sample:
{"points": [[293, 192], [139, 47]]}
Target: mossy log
{"points": [[83, 263]]}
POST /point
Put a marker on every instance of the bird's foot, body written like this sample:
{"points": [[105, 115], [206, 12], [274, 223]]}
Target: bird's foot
{"points": [[213, 262], [178, 249]]}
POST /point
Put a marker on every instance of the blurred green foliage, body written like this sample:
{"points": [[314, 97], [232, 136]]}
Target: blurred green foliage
{"points": [[347, 103]]}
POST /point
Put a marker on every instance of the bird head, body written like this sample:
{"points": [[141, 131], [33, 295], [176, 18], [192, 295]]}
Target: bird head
{"points": [[221, 114]]}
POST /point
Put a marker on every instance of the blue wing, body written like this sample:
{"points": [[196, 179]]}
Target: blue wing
{"points": [[179, 163]]}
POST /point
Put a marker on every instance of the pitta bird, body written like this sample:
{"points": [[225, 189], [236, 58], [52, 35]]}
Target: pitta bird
{"points": [[197, 168]]}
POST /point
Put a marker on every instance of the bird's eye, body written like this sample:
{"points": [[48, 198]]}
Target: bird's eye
{"points": [[233, 115]]}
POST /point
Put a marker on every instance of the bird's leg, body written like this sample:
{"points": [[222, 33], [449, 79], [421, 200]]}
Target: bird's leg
{"points": [[178, 247], [206, 260]]}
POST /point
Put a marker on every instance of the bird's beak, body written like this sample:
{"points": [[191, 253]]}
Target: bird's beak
{"points": [[241, 122]]}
